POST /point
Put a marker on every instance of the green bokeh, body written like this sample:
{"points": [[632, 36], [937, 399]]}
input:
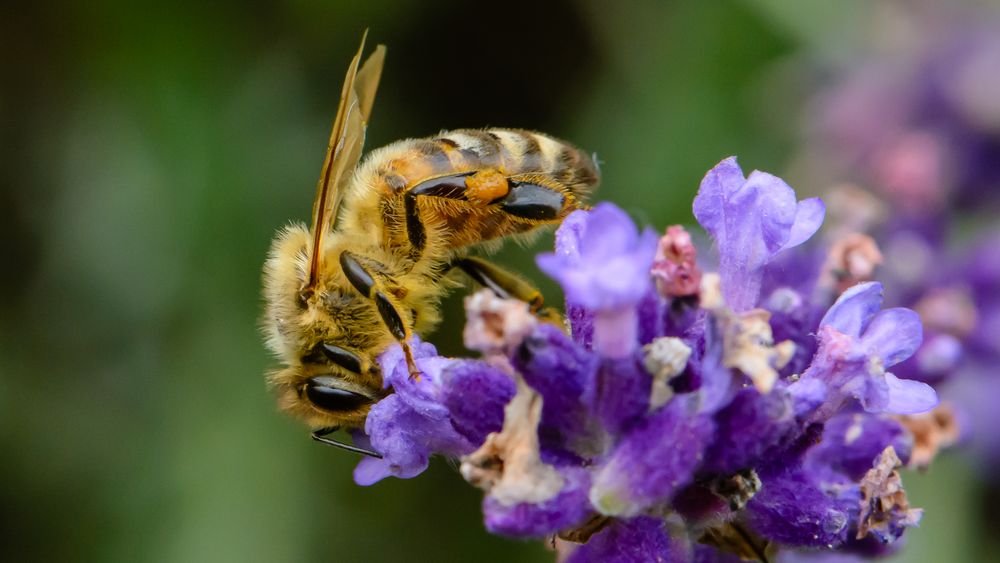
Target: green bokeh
{"points": [[150, 153]]}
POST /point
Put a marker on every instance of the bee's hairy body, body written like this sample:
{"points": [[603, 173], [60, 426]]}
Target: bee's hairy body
{"points": [[380, 273]]}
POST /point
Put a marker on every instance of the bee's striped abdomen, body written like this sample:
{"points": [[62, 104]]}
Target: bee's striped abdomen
{"points": [[511, 151], [516, 151]]}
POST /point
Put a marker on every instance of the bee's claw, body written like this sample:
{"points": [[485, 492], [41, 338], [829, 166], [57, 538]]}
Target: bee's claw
{"points": [[411, 363]]}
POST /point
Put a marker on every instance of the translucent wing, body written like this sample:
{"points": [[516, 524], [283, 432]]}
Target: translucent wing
{"points": [[344, 149]]}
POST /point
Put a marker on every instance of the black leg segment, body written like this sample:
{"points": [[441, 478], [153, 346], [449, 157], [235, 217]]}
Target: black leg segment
{"points": [[366, 284], [356, 274], [390, 316]]}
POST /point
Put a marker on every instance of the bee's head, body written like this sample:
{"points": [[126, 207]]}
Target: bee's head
{"points": [[330, 386], [326, 339]]}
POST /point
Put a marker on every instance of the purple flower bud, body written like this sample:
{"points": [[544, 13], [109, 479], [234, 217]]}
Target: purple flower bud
{"points": [[852, 442], [637, 540], [747, 428], [564, 374], [567, 508], [791, 508], [653, 460]]}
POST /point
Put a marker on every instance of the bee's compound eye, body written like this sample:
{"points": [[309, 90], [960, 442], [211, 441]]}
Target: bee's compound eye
{"points": [[323, 392]]}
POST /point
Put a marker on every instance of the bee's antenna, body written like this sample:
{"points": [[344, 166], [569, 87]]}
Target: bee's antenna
{"points": [[320, 436]]}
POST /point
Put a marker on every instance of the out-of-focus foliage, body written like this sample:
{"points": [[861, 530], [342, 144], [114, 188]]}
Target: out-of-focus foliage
{"points": [[150, 152]]}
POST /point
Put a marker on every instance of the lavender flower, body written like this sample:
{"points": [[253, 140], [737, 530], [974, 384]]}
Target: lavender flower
{"points": [[857, 343], [752, 220], [449, 410], [665, 425], [603, 262]]}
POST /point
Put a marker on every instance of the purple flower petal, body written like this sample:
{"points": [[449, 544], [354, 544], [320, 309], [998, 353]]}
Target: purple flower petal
{"points": [[809, 215], [395, 431], [909, 397], [854, 309], [569, 235], [448, 410], [602, 261], [773, 201], [710, 203], [894, 335], [371, 470]]}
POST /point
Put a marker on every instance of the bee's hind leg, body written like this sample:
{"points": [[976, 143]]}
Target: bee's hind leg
{"points": [[507, 285], [365, 282]]}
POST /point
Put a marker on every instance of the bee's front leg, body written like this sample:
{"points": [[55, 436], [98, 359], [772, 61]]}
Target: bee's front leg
{"points": [[371, 287]]}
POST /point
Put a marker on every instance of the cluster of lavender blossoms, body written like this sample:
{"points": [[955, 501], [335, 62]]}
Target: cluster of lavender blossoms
{"points": [[682, 414]]}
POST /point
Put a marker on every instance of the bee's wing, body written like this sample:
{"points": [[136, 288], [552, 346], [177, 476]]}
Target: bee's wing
{"points": [[344, 149]]}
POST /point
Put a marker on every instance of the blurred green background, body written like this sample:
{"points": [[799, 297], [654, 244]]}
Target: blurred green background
{"points": [[149, 153]]}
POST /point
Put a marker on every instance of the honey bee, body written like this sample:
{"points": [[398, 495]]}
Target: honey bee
{"points": [[389, 239]]}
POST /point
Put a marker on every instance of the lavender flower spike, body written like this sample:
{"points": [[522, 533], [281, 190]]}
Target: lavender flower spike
{"points": [[751, 219], [603, 263]]}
